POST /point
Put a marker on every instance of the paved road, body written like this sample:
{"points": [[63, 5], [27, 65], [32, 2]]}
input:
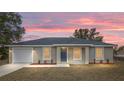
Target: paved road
{"points": [[6, 69]]}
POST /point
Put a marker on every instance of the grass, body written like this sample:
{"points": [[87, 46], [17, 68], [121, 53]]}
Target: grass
{"points": [[90, 72]]}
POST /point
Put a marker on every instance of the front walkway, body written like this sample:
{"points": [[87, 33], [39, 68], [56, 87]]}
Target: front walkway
{"points": [[6, 69], [56, 65]]}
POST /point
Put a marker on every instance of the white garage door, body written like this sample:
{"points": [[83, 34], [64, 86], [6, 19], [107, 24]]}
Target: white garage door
{"points": [[22, 55]]}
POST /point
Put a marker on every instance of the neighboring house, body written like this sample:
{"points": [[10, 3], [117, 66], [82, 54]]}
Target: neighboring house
{"points": [[120, 52], [61, 51]]}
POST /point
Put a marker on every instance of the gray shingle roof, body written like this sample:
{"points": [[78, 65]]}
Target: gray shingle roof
{"points": [[60, 40]]}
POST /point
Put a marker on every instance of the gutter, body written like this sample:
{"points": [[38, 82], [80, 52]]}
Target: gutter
{"points": [[91, 45]]}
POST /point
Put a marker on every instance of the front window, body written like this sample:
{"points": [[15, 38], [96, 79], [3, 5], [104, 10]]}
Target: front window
{"points": [[99, 53], [46, 53], [76, 53]]}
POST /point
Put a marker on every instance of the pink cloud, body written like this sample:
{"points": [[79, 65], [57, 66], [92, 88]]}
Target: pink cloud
{"points": [[84, 21], [37, 35], [59, 24], [50, 30], [88, 21], [113, 39], [100, 24], [46, 20]]}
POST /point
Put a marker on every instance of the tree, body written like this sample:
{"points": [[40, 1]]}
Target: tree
{"points": [[116, 49], [11, 29], [89, 34]]}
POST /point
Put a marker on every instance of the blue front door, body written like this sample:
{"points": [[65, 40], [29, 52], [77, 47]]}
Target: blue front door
{"points": [[63, 54]]}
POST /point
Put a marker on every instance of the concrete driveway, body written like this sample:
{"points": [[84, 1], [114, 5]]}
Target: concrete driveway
{"points": [[6, 69]]}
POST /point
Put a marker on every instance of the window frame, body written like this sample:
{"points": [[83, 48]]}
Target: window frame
{"points": [[44, 54], [75, 59], [102, 58]]}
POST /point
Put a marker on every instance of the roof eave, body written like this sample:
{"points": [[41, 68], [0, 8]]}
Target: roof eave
{"points": [[60, 45]]}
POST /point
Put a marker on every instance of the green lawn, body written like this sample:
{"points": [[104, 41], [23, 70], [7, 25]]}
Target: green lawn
{"points": [[90, 72]]}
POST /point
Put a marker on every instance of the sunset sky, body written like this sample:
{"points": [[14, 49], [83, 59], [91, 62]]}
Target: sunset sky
{"points": [[63, 24]]}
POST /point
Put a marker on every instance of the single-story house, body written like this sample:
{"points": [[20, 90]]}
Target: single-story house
{"points": [[119, 56], [120, 52], [61, 50]]}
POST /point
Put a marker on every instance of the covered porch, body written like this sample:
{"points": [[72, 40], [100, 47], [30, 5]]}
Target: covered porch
{"points": [[60, 55]]}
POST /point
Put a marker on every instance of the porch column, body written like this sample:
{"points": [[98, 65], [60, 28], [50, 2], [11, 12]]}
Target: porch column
{"points": [[58, 55], [10, 55], [87, 55]]}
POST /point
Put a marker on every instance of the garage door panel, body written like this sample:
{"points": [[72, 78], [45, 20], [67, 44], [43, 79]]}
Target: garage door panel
{"points": [[22, 55]]}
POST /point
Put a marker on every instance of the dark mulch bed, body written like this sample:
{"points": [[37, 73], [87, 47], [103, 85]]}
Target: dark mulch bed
{"points": [[43, 64]]}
